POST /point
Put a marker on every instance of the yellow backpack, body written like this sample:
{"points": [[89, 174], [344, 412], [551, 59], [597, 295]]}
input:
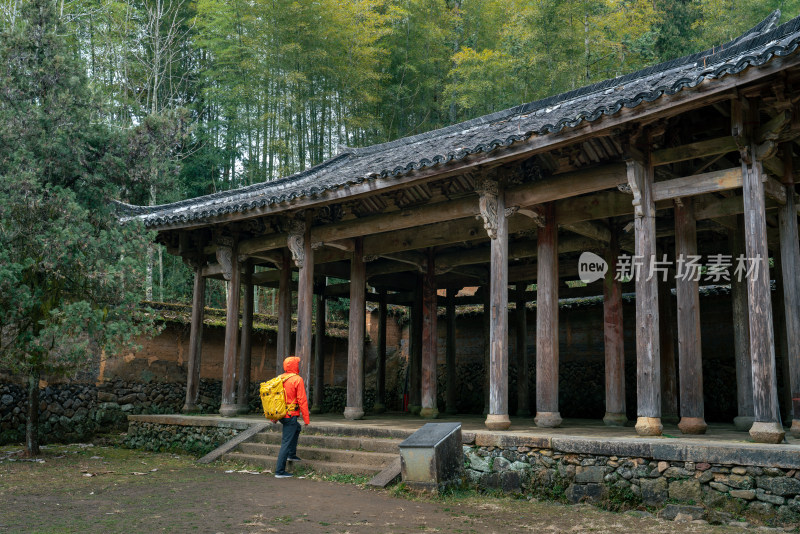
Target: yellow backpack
{"points": [[273, 398]]}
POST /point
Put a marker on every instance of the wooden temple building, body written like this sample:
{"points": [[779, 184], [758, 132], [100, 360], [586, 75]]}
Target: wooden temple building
{"points": [[696, 156]]}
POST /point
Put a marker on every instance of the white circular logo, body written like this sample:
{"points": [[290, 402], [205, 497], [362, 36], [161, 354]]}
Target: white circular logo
{"points": [[591, 267]]}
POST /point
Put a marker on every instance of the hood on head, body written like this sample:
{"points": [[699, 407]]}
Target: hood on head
{"points": [[291, 365]]}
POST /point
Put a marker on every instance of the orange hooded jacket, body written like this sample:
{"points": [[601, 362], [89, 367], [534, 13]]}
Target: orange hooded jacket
{"points": [[295, 388]]}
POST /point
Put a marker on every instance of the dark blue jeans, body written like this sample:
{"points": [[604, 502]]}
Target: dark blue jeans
{"points": [[291, 432]]}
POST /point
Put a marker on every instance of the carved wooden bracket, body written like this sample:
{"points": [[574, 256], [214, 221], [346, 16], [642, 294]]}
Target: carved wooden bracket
{"points": [[637, 196], [487, 189], [296, 240], [536, 214], [224, 253]]}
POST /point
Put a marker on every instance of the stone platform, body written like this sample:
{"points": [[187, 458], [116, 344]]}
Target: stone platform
{"points": [[722, 444]]}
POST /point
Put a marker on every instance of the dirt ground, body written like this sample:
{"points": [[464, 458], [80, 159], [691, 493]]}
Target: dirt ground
{"points": [[95, 488]]}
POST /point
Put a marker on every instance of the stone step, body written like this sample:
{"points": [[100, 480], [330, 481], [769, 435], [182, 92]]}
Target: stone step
{"points": [[385, 445], [339, 456], [351, 431], [318, 466]]}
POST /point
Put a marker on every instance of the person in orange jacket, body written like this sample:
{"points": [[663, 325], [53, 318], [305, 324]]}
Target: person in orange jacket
{"points": [[297, 401]]}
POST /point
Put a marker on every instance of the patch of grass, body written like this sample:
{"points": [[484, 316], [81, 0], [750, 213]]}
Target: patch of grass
{"points": [[345, 479], [620, 499]]}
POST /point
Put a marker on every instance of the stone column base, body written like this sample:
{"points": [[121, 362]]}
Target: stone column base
{"points": [[649, 426], [498, 421], [353, 412], [693, 425], [414, 409], [767, 432], [795, 429], [189, 408], [242, 408], [615, 419], [743, 422], [547, 419], [429, 413], [229, 410], [378, 407]]}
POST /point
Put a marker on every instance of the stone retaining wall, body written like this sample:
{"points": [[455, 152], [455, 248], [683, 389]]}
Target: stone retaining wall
{"points": [[198, 438], [73, 412], [675, 490]]}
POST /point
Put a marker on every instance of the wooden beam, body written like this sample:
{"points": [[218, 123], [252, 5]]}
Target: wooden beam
{"points": [[556, 188], [590, 229], [775, 190], [772, 129], [700, 149], [690, 186]]}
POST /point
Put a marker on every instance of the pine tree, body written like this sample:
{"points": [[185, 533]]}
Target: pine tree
{"points": [[68, 271]]}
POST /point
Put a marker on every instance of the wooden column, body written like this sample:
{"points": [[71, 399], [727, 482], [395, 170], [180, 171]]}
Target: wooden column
{"points": [[304, 259], [666, 338], [487, 322], [429, 409], [415, 352], [790, 267], [319, 354], [523, 362], [690, 350], [355, 345], [648, 363], [283, 349], [195, 341], [450, 357], [497, 418], [380, 372], [614, 337], [781, 342], [245, 343], [767, 427], [230, 260], [547, 414], [741, 335]]}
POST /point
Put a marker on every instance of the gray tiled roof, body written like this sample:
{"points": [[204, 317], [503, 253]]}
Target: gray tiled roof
{"points": [[490, 132]]}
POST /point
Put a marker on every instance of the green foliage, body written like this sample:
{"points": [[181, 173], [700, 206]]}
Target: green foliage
{"points": [[201, 96], [620, 499], [68, 270]]}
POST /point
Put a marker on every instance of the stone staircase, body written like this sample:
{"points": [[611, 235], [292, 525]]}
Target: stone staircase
{"points": [[326, 449]]}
